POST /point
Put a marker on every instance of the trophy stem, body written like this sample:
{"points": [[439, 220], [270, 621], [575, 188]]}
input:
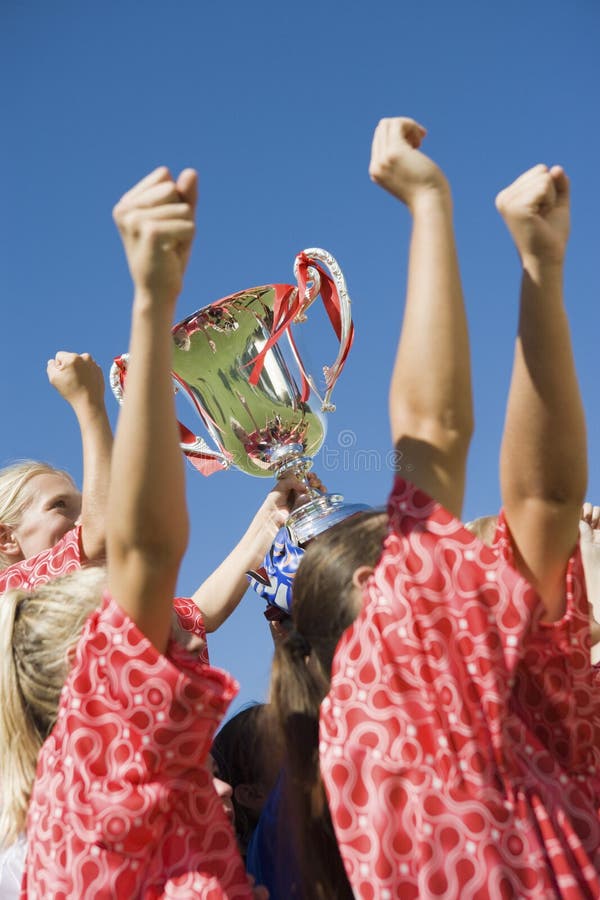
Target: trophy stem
{"points": [[289, 459], [320, 511]]}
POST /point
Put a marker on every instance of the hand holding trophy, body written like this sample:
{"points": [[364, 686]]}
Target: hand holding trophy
{"points": [[234, 361]]}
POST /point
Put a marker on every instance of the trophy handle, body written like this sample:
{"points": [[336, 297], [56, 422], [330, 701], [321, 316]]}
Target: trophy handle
{"points": [[199, 453], [314, 280]]}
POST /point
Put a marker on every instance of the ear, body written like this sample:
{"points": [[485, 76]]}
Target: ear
{"points": [[9, 545], [361, 575], [252, 796]]}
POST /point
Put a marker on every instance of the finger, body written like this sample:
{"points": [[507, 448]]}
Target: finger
{"points": [[531, 175], [155, 177], [595, 521], [586, 512], [170, 232], [187, 185], [534, 185], [545, 197], [585, 531], [260, 893], [520, 186], [155, 195], [316, 483], [135, 218], [290, 482], [412, 132], [64, 358], [534, 192], [561, 184]]}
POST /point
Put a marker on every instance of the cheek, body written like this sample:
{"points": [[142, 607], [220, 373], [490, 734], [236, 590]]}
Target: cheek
{"points": [[221, 787]]}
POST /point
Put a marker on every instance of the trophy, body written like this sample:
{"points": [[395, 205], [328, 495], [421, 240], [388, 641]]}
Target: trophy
{"points": [[238, 364]]}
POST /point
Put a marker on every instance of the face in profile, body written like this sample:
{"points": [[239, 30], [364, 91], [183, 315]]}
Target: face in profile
{"points": [[224, 790], [52, 508]]}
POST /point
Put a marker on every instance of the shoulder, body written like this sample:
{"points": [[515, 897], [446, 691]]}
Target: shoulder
{"points": [[114, 654], [64, 557]]}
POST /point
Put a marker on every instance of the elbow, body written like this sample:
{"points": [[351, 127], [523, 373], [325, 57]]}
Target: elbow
{"points": [[449, 434], [564, 489], [161, 547]]}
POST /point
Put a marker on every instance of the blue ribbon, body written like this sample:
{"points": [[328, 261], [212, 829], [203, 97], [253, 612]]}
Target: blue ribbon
{"points": [[274, 579]]}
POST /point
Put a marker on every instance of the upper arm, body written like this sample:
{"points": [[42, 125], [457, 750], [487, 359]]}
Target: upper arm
{"points": [[145, 591], [544, 538]]}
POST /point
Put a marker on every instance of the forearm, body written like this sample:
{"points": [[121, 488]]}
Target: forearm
{"points": [[543, 468], [96, 440], [544, 450], [147, 510], [148, 484], [430, 396], [221, 593], [218, 596]]}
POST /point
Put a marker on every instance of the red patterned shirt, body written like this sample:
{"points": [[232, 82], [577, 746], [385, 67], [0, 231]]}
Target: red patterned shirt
{"points": [[66, 556], [123, 804], [460, 740]]}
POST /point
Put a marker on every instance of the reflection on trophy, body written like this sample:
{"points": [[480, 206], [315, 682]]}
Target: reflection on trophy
{"points": [[238, 364]]}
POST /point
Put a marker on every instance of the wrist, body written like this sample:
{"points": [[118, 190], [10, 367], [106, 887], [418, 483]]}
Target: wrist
{"points": [[89, 410], [256, 541], [431, 199], [542, 269], [147, 298]]}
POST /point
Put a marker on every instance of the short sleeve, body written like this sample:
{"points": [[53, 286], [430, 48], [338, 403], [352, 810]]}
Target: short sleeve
{"points": [[191, 622], [556, 689], [175, 695], [446, 698], [123, 800]]}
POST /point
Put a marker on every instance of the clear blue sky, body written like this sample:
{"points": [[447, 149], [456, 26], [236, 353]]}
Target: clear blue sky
{"points": [[275, 104]]}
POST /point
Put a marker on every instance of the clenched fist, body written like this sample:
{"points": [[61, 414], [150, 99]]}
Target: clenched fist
{"points": [[398, 165], [77, 378], [156, 222], [535, 208]]}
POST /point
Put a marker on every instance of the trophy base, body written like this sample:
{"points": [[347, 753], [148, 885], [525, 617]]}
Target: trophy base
{"points": [[319, 514]]}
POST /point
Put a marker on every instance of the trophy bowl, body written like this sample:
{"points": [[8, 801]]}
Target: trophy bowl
{"points": [[237, 363]]}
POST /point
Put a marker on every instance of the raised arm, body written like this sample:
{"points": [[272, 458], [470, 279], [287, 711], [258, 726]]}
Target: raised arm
{"points": [[223, 590], [78, 379], [543, 469], [147, 517], [430, 395]]}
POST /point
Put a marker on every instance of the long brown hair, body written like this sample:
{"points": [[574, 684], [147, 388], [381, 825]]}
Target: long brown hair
{"points": [[246, 755], [325, 603]]}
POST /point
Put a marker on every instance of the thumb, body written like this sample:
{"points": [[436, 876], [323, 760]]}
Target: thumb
{"points": [[187, 185]]}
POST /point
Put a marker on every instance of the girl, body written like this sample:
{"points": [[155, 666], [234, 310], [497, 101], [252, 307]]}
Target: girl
{"points": [[460, 735], [47, 528], [123, 803]]}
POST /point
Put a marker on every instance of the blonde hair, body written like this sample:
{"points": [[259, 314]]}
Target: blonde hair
{"points": [[38, 634], [484, 528], [12, 502]]}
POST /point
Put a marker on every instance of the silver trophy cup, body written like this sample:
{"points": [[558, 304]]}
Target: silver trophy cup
{"points": [[237, 363]]}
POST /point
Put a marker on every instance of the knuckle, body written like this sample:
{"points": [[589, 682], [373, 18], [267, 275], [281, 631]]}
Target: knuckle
{"points": [[374, 173], [150, 231], [118, 212]]}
